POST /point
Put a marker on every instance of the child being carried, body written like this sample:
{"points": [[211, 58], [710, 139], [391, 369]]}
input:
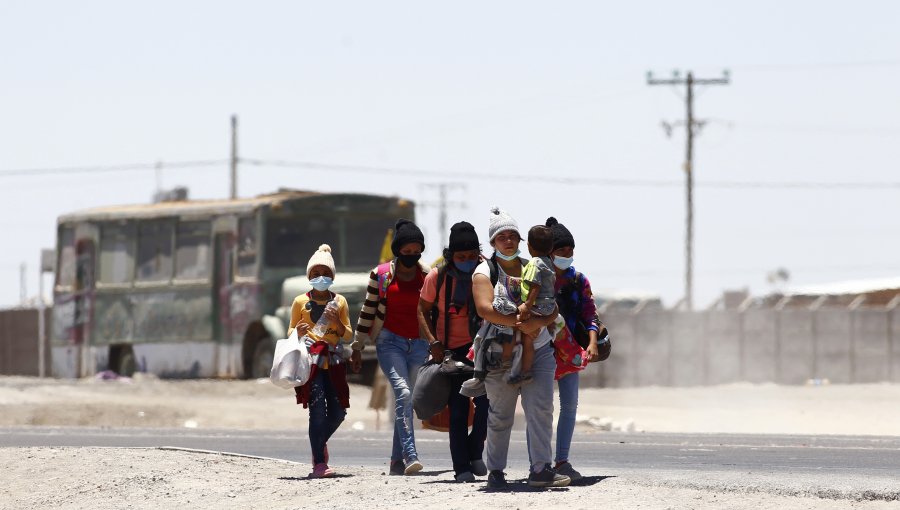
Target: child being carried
{"points": [[538, 298], [538, 295]]}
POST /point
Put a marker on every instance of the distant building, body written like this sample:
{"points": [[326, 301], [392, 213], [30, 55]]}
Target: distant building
{"points": [[872, 293], [626, 301]]}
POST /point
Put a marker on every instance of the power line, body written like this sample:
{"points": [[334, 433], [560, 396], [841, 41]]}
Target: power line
{"points": [[800, 185], [830, 130], [516, 177], [511, 177], [130, 167], [818, 65]]}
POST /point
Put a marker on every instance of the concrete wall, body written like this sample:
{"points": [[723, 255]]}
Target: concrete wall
{"points": [[18, 342], [872, 351], [725, 341], [665, 348], [788, 346]]}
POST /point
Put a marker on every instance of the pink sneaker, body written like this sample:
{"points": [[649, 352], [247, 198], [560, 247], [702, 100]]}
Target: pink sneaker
{"points": [[321, 471]]}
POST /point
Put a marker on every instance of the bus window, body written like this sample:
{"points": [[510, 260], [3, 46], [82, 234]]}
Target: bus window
{"points": [[246, 247], [65, 274], [116, 253], [154, 251], [291, 241], [192, 260]]}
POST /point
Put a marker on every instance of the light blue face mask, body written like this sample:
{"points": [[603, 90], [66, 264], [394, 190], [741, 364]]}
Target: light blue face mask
{"points": [[507, 257], [321, 283], [563, 262]]}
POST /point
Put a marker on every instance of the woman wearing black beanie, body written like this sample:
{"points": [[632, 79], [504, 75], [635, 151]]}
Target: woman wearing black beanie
{"points": [[447, 319], [389, 317], [576, 306]]}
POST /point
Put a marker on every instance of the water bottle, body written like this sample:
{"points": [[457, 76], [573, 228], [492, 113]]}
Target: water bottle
{"points": [[321, 326]]}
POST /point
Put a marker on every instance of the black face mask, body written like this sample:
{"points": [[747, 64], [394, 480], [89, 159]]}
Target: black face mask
{"points": [[409, 260]]}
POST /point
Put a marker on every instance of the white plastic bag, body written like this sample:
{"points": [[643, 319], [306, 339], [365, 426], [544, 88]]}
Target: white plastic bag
{"points": [[291, 363]]}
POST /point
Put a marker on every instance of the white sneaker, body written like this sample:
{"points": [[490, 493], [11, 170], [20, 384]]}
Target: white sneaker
{"points": [[413, 468]]}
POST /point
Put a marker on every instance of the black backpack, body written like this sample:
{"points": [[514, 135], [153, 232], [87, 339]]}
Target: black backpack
{"points": [[567, 307]]}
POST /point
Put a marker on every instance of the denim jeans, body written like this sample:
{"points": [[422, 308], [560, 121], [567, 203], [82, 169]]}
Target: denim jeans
{"points": [[466, 446], [400, 359], [568, 406], [325, 414]]}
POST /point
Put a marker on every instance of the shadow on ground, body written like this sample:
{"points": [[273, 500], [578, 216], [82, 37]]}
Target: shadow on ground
{"points": [[522, 485], [307, 478], [433, 473], [587, 481]]}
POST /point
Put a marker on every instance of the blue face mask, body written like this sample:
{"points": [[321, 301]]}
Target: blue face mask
{"points": [[467, 266], [563, 262], [507, 257], [321, 283]]}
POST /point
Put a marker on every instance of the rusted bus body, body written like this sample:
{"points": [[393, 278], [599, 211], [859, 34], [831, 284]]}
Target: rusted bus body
{"points": [[194, 288]]}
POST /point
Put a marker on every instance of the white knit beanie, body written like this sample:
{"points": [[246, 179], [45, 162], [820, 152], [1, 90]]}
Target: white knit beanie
{"points": [[322, 257], [500, 221]]}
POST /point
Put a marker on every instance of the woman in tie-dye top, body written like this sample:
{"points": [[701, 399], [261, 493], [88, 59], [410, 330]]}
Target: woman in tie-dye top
{"points": [[576, 306]]}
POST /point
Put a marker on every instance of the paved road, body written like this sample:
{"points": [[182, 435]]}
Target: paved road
{"points": [[828, 466]]}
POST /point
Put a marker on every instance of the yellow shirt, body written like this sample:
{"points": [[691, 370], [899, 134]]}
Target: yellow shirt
{"points": [[301, 312]]}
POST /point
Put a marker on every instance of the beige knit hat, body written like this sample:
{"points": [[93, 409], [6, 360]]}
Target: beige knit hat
{"points": [[322, 257]]}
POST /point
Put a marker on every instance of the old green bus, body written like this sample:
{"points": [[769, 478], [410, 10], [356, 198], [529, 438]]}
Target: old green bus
{"points": [[201, 288]]}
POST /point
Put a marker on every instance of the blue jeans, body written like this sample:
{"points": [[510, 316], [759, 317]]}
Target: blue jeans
{"points": [[325, 414], [568, 406], [400, 359]]}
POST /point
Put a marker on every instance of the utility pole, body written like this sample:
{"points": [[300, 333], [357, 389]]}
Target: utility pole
{"points": [[159, 169], [443, 204], [48, 263], [23, 284], [689, 125], [234, 157]]}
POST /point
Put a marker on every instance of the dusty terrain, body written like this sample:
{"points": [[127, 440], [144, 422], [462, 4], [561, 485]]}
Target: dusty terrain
{"points": [[736, 408], [98, 478], [40, 478]]}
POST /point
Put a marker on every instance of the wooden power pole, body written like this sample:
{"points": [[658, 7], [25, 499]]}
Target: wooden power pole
{"points": [[443, 204], [689, 125], [234, 157]]}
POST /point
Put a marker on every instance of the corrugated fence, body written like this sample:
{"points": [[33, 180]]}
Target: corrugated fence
{"points": [[18, 342]]}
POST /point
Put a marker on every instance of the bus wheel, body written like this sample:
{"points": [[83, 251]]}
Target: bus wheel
{"points": [[262, 358], [122, 360]]}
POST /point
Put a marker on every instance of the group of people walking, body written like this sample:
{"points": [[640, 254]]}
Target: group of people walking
{"points": [[472, 309]]}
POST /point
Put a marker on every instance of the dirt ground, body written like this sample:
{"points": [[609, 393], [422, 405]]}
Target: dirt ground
{"points": [[100, 478], [736, 408]]}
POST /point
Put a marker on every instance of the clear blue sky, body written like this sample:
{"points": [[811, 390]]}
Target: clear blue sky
{"points": [[503, 87]]}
